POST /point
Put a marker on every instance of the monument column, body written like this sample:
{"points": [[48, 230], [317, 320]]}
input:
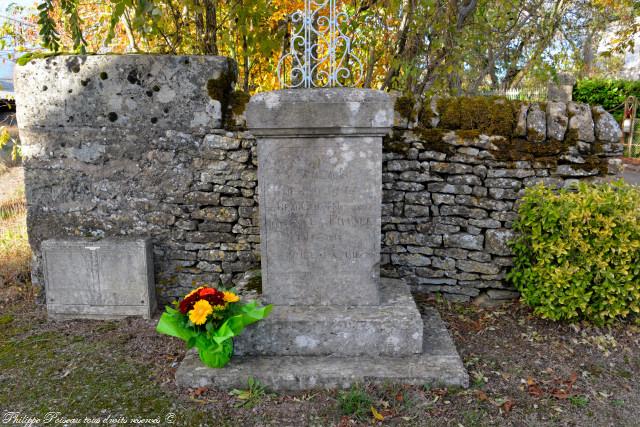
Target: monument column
{"points": [[319, 177]]}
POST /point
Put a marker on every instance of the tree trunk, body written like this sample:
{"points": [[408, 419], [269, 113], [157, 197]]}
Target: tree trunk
{"points": [[245, 63], [211, 35]]}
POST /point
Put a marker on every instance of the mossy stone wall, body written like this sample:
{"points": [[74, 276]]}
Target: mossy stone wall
{"points": [[453, 171]]}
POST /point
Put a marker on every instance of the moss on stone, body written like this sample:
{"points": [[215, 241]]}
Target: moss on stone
{"points": [[219, 88], [432, 139], [27, 57], [594, 162], [391, 146], [238, 101], [404, 105], [571, 136], [426, 114], [255, 284], [468, 133], [515, 149], [488, 115]]}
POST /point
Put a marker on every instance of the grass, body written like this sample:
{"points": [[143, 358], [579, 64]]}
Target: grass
{"points": [[63, 372], [355, 402], [252, 396], [15, 252]]}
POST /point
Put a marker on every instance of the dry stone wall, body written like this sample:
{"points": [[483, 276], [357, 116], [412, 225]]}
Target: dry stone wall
{"points": [[154, 146], [452, 176]]}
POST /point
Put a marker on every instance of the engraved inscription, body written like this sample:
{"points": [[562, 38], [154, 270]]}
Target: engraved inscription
{"points": [[321, 218]]}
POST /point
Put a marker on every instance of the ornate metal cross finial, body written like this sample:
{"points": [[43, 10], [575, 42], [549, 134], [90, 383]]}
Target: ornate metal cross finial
{"points": [[319, 52]]}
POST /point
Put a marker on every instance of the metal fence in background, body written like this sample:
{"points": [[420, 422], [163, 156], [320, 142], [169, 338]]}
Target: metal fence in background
{"points": [[630, 124], [632, 142], [538, 94]]}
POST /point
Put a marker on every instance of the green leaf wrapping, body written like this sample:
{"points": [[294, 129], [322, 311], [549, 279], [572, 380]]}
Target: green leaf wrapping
{"points": [[216, 348]]}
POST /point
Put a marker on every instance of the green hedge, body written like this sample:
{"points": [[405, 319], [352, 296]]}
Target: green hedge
{"points": [[608, 93], [577, 254]]}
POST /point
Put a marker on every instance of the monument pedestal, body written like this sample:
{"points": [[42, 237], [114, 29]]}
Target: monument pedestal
{"points": [[333, 322], [438, 364], [393, 328]]}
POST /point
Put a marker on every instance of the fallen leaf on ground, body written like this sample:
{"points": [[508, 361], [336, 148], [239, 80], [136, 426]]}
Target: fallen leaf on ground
{"points": [[506, 406], [377, 415], [482, 396], [199, 391], [533, 388]]}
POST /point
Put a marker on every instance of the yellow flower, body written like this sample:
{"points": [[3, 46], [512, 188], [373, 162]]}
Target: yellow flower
{"points": [[219, 307], [193, 291], [231, 297], [201, 310]]}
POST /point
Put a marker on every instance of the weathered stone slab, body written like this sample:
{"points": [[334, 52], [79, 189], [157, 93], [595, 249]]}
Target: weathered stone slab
{"points": [[439, 364], [393, 328], [320, 179], [131, 91], [104, 279]]}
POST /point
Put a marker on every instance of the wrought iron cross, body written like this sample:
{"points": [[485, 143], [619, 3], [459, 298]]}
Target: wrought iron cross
{"points": [[319, 52]]}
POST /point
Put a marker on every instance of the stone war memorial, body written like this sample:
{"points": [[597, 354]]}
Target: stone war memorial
{"points": [[149, 175], [334, 322]]}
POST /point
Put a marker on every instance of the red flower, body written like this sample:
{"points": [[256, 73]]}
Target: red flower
{"points": [[212, 295], [206, 291], [187, 303]]}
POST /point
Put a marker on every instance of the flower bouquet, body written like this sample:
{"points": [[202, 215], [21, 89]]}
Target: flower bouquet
{"points": [[208, 318]]}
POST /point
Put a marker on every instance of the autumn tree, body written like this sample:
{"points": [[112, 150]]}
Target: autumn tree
{"points": [[416, 46]]}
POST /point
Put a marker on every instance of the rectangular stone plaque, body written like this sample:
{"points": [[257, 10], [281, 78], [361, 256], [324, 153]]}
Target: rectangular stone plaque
{"points": [[105, 279], [320, 201]]}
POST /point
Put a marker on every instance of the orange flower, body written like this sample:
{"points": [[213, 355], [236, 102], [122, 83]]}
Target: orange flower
{"points": [[231, 297]]}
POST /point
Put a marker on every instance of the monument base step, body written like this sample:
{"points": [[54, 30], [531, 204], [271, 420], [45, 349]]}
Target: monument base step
{"points": [[439, 364], [393, 328]]}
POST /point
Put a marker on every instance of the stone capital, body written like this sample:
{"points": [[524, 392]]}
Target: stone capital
{"points": [[296, 113]]}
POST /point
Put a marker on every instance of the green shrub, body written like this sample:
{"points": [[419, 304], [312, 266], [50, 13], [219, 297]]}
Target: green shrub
{"points": [[577, 253], [608, 93]]}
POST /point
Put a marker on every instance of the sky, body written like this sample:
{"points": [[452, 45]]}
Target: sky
{"points": [[6, 67]]}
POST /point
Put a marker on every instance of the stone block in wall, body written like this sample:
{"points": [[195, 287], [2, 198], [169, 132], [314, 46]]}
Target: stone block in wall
{"points": [[606, 127], [560, 88], [521, 121], [496, 241], [575, 171], [536, 124], [463, 241], [581, 125], [615, 166], [557, 120]]}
